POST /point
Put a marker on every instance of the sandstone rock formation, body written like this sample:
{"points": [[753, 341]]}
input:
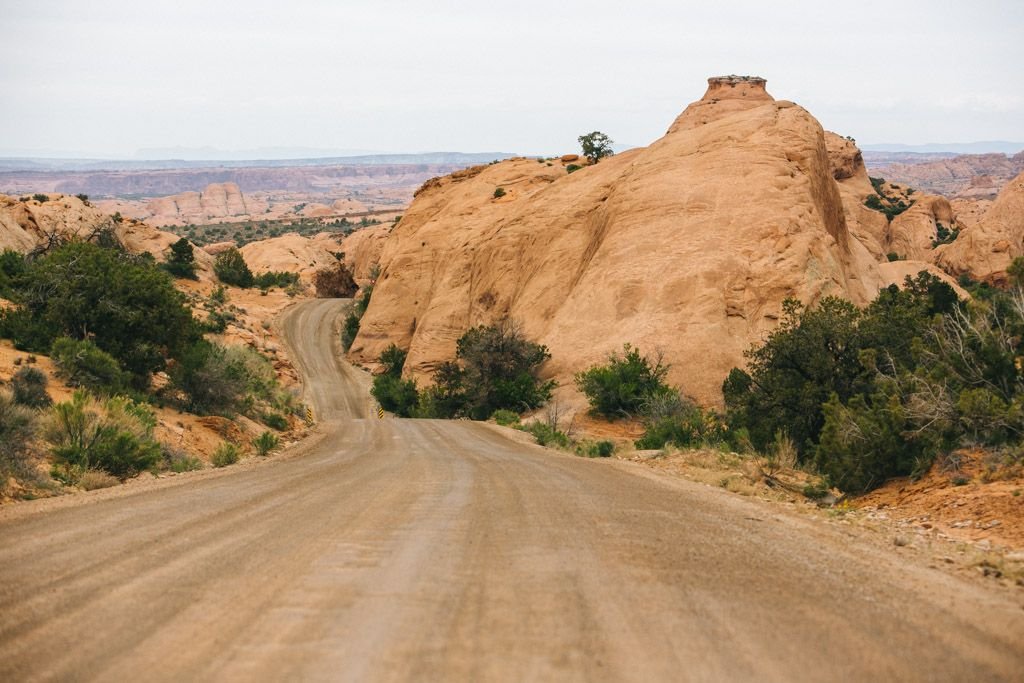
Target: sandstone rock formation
{"points": [[290, 252], [688, 246], [363, 249], [26, 224], [979, 176], [985, 249], [217, 201]]}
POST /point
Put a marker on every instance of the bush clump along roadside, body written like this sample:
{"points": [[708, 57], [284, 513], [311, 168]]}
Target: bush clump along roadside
{"points": [[870, 394], [110, 320], [622, 386], [393, 393], [350, 328], [495, 369], [125, 305]]}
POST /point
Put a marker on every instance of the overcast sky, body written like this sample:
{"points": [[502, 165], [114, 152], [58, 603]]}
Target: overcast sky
{"points": [[109, 77]]}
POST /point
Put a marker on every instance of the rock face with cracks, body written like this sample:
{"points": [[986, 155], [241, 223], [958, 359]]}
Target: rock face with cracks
{"points": [[687, 247]]}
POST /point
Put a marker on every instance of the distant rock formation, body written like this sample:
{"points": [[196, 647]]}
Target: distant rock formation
{"points": [[978, 176], [984, 250], [290, 252]]}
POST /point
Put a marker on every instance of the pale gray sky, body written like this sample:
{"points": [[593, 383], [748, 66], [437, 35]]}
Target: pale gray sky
{"points": [[108, 77]]}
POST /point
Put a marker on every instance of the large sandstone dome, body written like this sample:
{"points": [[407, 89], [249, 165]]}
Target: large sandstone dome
{"points": [[687, 247]]}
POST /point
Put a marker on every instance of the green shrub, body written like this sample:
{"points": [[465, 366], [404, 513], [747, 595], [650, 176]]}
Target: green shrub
{"points": [[41, 198], [17, 429], [505, 418], [672, 419], [12, 268], [265, 442], [499, 369], [944, 235], [181, 262], [84, 198], [396, 395], [125, 305], [116, 436], [621, 387], [231, 269], [275, 278], [392, 392], [276, 421], [572, 168], [28, 386], [179, 461], [351, 326], [83, 364], [546, 435], [596, 449], [499, 192], [226, 454], [892, 256]]}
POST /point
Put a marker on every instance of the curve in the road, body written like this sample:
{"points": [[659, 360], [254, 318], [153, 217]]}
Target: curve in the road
{"points": [[427, 550]]}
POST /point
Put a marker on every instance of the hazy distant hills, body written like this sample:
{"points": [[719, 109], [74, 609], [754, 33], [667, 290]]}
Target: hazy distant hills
{"points": [[985, 147], [431, 158]]}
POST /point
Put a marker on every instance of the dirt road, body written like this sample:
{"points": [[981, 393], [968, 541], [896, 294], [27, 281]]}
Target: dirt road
{"points": [[425, 550]]}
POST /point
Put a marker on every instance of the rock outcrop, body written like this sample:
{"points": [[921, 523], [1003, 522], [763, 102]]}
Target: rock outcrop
{"points": [[24, 225], [688, 246], [985, 249], [290, 252]]}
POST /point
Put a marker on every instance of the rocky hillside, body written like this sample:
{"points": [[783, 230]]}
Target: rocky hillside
{"points": [[978, 176], [688, 246], [28, 222]]}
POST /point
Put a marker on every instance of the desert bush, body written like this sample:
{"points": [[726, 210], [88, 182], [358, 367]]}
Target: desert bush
{"points": [[546, 435], [392, 392], [624, 384], [17, 429], [28, 386], [499, 192], [178, 461], [41, 198], [505, 418], [276, 278], [265, 443], [115, 436], [226, 454], [596, 449], [211, 383], [125, 305], [572, 168], [670, 418], [181, 262], [351, 326], [231, 269], [83, 364], [334, 283], [276, 421], [97, 479], [496, 367]]}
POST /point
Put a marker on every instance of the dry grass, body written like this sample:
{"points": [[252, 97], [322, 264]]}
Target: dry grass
{"points": [[97, 479]]}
